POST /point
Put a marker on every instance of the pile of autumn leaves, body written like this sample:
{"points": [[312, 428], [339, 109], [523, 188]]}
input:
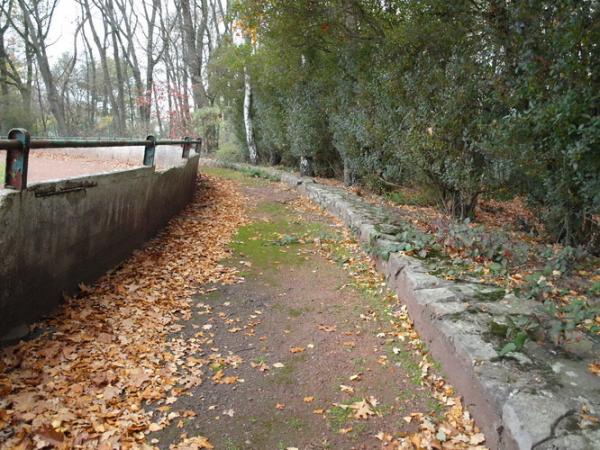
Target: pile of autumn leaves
{"points": [[106, 354]]}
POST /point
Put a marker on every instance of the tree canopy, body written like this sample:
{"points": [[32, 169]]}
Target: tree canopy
{"points": [[466, 98]]}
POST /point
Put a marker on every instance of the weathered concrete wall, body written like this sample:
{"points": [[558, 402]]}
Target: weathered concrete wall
{"points": [[57, 234]]}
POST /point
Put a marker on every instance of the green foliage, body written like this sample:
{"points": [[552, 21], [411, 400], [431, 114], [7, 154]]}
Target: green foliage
{"points": [[572, 315], [230, 150], [406, 238], [206, 122], [480, 242], [507, 101], [515, 332]]}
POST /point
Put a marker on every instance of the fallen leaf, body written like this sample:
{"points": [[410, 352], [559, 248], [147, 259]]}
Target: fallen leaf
{"points": [[194, 443], [477, 439], [155, 427], [347, 389], [362, 410]]}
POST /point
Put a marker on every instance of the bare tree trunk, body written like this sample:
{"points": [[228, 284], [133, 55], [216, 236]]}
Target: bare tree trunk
{"points": [[114, 32], [127, 40], [193, 39], [4, 87], [157, 107], [92, 89], [101, 46], [252, 151], [36, 19]]}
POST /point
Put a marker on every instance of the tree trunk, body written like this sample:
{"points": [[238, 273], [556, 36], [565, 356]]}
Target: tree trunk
{"points": [[306, 166], [252, 151], [194, 49], [350, 176], [101, 46]]}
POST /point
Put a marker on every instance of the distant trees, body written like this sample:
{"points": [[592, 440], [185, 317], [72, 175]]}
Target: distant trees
{"points": [[131, 70], [468, 98]]}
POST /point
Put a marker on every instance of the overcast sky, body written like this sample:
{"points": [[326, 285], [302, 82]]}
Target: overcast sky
{"points": [[63, 27]]}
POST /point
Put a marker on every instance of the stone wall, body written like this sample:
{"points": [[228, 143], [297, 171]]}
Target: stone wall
{"points": [[55, 235]]}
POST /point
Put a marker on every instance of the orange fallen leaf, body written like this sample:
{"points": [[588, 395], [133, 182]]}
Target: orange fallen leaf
{"points": [[229, 380], [194, 443]]}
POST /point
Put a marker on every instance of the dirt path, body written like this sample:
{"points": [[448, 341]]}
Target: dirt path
{"points": [[174, 350], [301, 346]]}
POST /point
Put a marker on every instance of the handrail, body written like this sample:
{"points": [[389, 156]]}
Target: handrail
{"points": [[19, 143]]}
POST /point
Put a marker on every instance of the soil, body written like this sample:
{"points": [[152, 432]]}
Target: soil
{"points": [[293, 299]]}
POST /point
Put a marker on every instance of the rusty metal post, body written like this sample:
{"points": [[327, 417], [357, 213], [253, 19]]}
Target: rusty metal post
{"points": [[150, 151], [17, 160], [186, 148], [198, 146]]}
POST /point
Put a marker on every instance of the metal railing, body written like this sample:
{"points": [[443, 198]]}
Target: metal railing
{"points": [[19, 143]]}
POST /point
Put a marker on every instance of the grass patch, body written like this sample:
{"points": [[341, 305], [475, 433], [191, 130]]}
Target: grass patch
{"points": [[254, 243], [234, 175], [436, 408], [266, 244], [297, 312], [247, 175], [260, 360], [408, 363], [272, 208], [230, 445], [295, 424], [338, 416], [360, 363], [285, 375]]}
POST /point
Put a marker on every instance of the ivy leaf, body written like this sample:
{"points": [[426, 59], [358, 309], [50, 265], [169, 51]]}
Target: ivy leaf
{"points": [[510, 347]]}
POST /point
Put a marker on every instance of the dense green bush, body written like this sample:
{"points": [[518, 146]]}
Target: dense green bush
{"points": [[466, 98]]}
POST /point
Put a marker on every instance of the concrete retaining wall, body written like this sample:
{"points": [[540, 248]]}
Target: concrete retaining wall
{"points": [[57, 234]]}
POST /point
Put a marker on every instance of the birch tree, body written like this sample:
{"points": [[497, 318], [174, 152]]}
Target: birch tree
{"points": [[249, 126]]}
